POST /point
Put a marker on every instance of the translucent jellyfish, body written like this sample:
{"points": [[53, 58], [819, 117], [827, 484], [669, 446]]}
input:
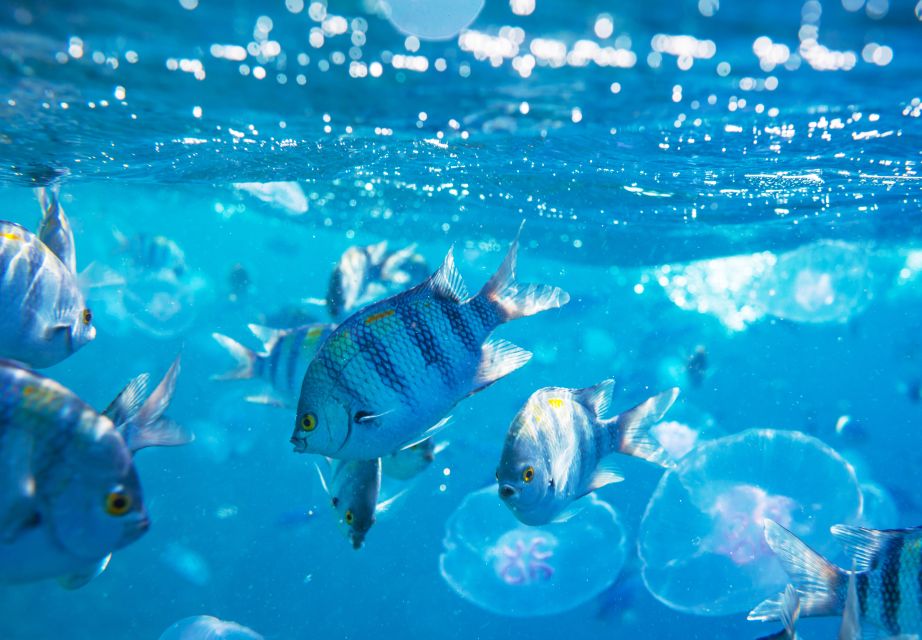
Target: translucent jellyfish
{"points": [[826, 281], [287, 196], [701, 538], [208, 628], [433, 19], [190, 565], [503, 566]]}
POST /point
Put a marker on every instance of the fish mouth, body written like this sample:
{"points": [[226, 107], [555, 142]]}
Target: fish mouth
{"points": [[300, 446]]}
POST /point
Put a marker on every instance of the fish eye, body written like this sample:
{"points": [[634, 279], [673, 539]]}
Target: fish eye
{"points": [[308, 422], [529, 474], [87, 316], [118, 503], [349, 517]]}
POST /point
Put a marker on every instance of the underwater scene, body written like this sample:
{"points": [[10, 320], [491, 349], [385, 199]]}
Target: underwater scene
{"points": [[460, 319]]}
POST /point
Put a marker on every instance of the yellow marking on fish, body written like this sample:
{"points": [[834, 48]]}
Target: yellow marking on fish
{"points": [[9, 235], [379, 316], [557, 403], [313, 333]]}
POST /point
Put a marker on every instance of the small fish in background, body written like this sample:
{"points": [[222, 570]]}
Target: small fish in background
{"points": [[850, 431], [696, 368], [408, 463], [239, 283], [155, 254], [886, 561], [353, 487], [394, 369], [790, 613], [187, 563], [287, 196], [365, 274], [70, 493], [44, 317], [289, 316], [281, 363], [558, 446], [913, 391], [208, 628]]}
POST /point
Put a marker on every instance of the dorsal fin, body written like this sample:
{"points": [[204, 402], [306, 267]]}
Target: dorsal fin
{"points": [[128, 402], [866, 545], [268, 336], [446, 282], [597, 397]]}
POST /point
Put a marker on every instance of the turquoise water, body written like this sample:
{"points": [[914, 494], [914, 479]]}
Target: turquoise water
{"points": [[736, 176]]}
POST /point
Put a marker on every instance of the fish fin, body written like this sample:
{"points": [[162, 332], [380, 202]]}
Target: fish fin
{"points": [[148, 428], [128, 402], [865, 545], [324, 472], [608, 472], [370, 417], [244, 357], [440, 447], [97, 276], [790, 612], [428, 433], [376, 252], [268, 336], [52, 330], [630, 431], [267, 399], [517, 300], [850, 629], [596, 398], [569, 513], [383, 506], [82, 578], [498, 358], [818, 582], [315, 302], [55, 231], [446, 283], [391, 268]]}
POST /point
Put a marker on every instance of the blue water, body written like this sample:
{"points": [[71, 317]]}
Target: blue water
{"points": [[148, 114]]}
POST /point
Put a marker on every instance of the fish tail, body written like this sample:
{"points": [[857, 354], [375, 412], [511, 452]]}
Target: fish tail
{"points": [[821, 586], [48, 201], [630, 431], [148, 427], [245, 359], [513, 299]]}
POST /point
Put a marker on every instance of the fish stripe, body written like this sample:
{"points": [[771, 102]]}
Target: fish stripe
{"points": [[378, 354], [274, 361], [458, 325], [379, 316], [426, 342], [890, 584], [862, 587]]}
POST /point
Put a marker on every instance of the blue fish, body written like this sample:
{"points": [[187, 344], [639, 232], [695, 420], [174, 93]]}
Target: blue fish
{"points": [[393, 370]]}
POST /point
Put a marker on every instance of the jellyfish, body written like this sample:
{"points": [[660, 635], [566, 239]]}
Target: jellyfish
{"points": [[701, 538], [208, 628], [432, 19], [826, 281], [287, 196], [503, 566]]}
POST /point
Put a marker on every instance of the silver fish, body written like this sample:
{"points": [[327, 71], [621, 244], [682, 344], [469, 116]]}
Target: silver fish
{"points": [[282, 362], [408, 463], [70, 494], [557, 448], [353, 487], [365, 274], [43, 315], [395, 368]]}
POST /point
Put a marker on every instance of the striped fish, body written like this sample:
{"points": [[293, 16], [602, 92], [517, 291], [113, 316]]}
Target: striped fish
{"points": [[395, 368], [557, 448], [43, 315], [281, 363], [887, 578], [365, 274], [153, 253], [69, 491]]}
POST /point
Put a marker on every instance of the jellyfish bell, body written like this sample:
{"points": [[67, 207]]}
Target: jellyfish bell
{"points": [[208, 628], [503, 566], [825, 281], [432, 19], [701, 538]]}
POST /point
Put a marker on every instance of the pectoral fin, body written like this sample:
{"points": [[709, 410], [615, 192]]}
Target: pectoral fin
{"points": [[608, 472], [82, 577]]}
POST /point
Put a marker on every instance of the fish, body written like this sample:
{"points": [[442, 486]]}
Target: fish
{"points": [[397, 366], [282, 362], [405, 464], [365, 274], [69, 491], [353, 487], [885, 577], [558, 446], [155, 254], [44, 317], [696, 367], [790, 613]]}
